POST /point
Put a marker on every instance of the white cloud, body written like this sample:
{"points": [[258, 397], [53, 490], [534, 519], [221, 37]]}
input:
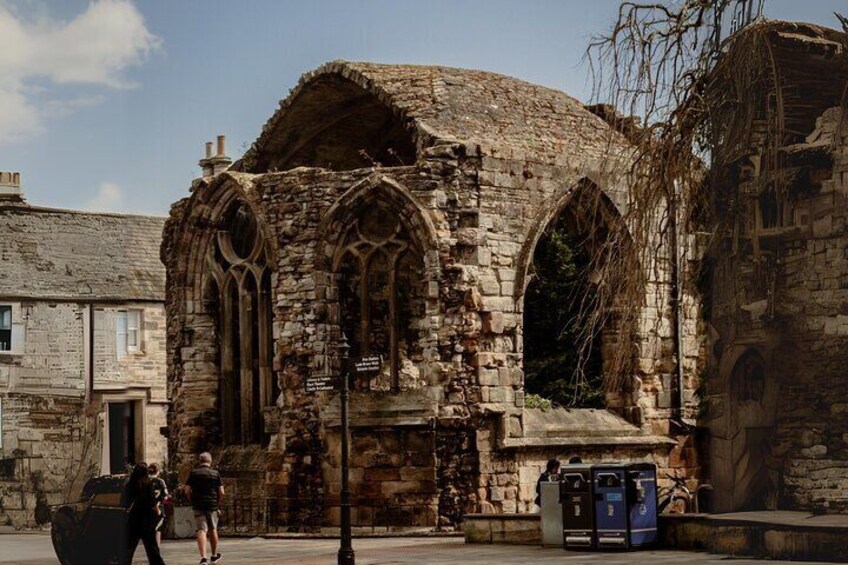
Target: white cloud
{"points": [[109, 198], [93, 48]]}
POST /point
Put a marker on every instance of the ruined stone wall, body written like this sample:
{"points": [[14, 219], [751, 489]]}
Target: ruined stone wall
{"points": [[519, 197], [423, 455], [785, 298], [52, 439], [812, 303], [394, 469]]}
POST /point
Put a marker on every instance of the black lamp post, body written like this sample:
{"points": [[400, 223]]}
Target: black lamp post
{"points": [[346, 554]]}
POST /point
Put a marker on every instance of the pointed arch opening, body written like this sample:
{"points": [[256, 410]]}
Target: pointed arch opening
{"points": [[336, 124], [569, 331], [378, 243], [237, 295]]}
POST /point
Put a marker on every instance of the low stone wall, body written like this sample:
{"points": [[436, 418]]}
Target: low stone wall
{"points": [[515, 529], [777, 535]]}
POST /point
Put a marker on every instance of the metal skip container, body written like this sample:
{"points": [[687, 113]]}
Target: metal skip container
{"points": [[551, 514], [578, 521]]}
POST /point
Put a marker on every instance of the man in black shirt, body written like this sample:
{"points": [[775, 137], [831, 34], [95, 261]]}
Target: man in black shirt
{"points": [[205, 490]]}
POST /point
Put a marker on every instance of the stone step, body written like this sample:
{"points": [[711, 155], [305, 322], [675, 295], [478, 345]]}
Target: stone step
{"points": [[796, 536]]}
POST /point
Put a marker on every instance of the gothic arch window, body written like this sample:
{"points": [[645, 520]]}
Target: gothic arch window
{"points": [[572, 342], [239, 295], [748, 380], [379, 274]]}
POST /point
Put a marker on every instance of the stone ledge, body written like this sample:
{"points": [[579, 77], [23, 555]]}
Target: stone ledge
{"points": [[585, 441], [773, 535], [422, 422]]}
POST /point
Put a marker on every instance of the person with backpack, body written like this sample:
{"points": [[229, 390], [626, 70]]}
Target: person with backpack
{"points": [[139, 499], [160, 489]]}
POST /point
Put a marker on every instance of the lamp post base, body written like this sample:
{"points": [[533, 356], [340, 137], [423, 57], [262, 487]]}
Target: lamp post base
{"points": [[347, 556]]}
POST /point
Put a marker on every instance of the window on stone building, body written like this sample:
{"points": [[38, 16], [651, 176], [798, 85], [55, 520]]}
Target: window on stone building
{"points": [[552, 305], [238, 296], [381, 296], [5, 328], [128, 331], [749, 378]]}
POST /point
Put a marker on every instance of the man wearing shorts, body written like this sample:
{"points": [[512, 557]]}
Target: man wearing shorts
{"points": [[205, 490]]}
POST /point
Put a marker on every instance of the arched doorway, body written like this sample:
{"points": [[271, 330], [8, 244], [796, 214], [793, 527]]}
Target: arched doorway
{"points": [[754, 482]]}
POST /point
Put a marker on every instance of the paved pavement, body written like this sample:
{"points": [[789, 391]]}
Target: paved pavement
{"points": [[35, 549]]}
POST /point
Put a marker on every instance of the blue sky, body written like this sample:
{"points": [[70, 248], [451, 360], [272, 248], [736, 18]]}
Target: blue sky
{"points": [[109, 103]]}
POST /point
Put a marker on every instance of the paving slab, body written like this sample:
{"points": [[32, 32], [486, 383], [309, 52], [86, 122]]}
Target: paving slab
{"points": [[23, 549]]}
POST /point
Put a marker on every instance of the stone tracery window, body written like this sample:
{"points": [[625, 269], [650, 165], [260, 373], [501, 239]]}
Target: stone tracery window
{"points": [[239, 294], [381, 295]]}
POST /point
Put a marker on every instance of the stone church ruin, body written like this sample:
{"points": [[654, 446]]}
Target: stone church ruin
{"points": [[403, 206]]}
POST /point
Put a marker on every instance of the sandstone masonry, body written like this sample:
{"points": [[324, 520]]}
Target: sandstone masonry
{"points": [[400, 205], [67, 283]]}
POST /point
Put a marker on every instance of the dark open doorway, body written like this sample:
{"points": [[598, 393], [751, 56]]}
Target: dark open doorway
{"points": [[122, 434]]}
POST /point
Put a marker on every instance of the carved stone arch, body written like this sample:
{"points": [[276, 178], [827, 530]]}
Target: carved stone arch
{"points": [[207, 208], [550, 212], [335, 118], [592, 222], [400, 198], [381, 262], [229, 251]]}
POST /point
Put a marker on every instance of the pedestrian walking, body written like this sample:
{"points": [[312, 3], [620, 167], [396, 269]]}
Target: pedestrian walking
{"points": [[160, 489], [205, 490], [140, 500]]}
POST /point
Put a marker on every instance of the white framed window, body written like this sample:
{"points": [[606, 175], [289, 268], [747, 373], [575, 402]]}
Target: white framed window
{"points": [[128, 332], [5, 328]]}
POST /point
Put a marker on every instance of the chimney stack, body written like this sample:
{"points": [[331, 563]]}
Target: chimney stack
{"points": [[215, 164], [10, 187]]}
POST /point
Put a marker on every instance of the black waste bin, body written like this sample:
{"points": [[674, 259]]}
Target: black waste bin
{"points": [[642, 504], [578, 521]]}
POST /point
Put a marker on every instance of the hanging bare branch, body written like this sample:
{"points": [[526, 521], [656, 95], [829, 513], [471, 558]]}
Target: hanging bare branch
{"points": [[656, 62]]}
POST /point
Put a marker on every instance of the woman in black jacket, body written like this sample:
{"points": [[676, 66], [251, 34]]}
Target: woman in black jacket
{"points": [[140, 501]]}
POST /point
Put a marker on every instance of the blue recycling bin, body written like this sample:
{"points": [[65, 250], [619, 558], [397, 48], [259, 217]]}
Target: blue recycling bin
{"points": [[625, 505], [611, 515], [642, 504]]}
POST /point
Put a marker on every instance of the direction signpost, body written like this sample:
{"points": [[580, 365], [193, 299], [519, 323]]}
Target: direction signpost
{"points": [[322, 383], [367, 365], [361, 366], [346, 553]]}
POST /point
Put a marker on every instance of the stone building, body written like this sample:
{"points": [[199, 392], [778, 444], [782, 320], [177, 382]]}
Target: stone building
{"points": [[82, 350], [402, 206], [779, 279]]}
